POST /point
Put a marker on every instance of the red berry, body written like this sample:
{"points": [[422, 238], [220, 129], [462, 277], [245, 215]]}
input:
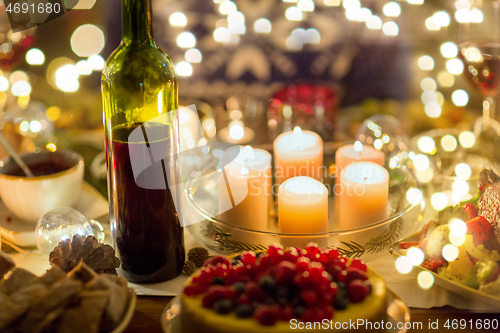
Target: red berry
{"points": [[277, 256], [302, 280], [229, 293], [309, 297], [341, 277], [334, 289], [357, 290], [312, 250], [329, 311], [214, 294], [266, 315], [354, 274], [248, 258], [273, 249], [333, 254], [195, 289], [255, 292], [341, 262], [324, 258], [302, 264], [286, 313], [244, 299], [316, 271], [285, 273], [216, 260], [356, 263], [264, 262], [291, 255], [333, 270]]}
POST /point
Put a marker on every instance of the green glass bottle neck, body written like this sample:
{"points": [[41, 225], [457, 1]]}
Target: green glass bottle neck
{"points": [[137, 23]]}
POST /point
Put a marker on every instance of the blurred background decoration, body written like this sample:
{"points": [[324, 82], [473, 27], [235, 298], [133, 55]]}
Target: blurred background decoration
{"points": [[253, 68]]}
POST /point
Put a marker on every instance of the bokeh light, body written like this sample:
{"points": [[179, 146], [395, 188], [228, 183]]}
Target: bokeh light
{"points": [[428, 84], [445, 79], [449, 50], [439, 201], [20, 88], [262, 26], [392, 9], [433, 109], [186, 40], [421, 162], [403, 265], [390, 28], [450, 252], [449, 142], [87, 40], [227, 7], [193, 56], [177, 19], [184, 68], [426, 144], [441, 19], [425, 280], [293, 14], [414, 196], [35, 57], [416, 256], [306, 5], [83, 67], [222, 35], [457, 227], [96, 62], [463, 171], [4, 83], [460, 97], [467, 139], [426, 63], [374, 23], [455, 66]]}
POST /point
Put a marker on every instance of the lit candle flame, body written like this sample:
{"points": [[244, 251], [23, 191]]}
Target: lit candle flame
{"points": [[236, 132], [244, 172], [298, 138], [358, 147], [247, 153]]}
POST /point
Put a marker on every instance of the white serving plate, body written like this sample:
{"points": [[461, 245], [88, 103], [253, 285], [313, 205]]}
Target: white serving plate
{"points": [[91, 204], [469, 295]]}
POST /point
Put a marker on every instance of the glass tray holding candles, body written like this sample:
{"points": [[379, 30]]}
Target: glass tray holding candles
{"points": [[404, 210]]}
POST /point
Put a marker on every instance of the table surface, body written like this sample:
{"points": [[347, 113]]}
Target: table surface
{"points": [[149, 310]]}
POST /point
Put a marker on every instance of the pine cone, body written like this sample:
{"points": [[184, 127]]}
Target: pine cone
{"points": [[198, 255], [189, 267], [100, 257]]}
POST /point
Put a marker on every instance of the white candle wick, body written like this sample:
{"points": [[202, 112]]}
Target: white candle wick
{"points": [[298, 138], [358, 147]]}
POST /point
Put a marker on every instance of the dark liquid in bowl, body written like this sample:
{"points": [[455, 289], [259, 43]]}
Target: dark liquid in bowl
{"points": [[41, 168]]}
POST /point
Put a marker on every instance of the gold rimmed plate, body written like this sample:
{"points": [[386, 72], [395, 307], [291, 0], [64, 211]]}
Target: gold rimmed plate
{"points": [[128, 313], [397, 312], [469, 295]]}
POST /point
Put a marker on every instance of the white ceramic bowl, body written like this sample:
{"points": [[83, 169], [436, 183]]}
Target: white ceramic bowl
{"points": [[30, 198]]}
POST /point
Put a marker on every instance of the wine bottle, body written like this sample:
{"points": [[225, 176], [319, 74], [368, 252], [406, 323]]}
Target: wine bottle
{"points": [[139, 85]]}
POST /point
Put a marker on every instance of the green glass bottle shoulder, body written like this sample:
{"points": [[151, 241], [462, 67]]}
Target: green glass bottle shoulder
{"points": [[138, 84]]}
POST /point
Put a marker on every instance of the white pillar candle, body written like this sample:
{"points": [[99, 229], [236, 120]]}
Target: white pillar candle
{"points": [[242, 198], [260, 160], [303, 209], [298, 153], [357, 152], [365, 192]]}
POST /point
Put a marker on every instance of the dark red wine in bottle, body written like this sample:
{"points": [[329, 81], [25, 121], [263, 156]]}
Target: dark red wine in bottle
{"points": [[139, 85]]}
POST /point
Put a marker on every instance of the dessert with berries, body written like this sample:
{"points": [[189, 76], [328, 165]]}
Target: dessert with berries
{"points": [[281, 290]]}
